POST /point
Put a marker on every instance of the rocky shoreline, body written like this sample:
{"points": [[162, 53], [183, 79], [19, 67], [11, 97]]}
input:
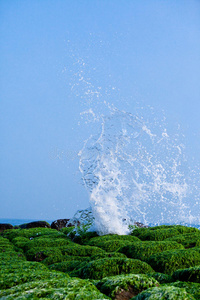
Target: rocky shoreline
{"points": [[57, 224], [53, 261]]}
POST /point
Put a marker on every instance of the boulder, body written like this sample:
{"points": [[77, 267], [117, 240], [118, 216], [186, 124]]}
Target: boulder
{"points": [[58, 224], [35, 224], [61, 223], [5, 226]]}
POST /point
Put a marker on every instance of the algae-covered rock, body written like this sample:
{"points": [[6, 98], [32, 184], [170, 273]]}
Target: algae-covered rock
{"points": [[192, 288], [161, 277], [113, 245], [188, 240], [157, 235], [181, 228], [46, 242], [84, 238], [70, 263], [143, 250], [15, 270], [185, 229], [20, 241], [80, 250], [79, 234], [53, 258], [60, 288], [31, 233], [138, 231], [109, 237], [190, 274], [125, 286], [69, 231], [40, 253], [50, 255], [164, 293], [104, 267], [9, 280], [5, 245], [10, 256], [108, 254], [67, 266], [172, 260]]}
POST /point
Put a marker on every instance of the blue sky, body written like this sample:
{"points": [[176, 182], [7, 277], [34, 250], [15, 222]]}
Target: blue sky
{"points": [[143, 52]]}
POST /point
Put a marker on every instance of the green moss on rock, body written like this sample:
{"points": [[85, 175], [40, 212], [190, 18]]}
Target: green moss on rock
{"points": [[16, 271], [108, 254], [161, 277], [11, 255], [188, 240], [113, 245], [100, 268], [172, 260], [157, 235], [181, 228], [60, 288], [53, 258], [20, 241], [143, 250], [6, 246], [80, 250], [84, 238], [109, 237], [164, 292], [46, 242], [31, 233], [125, 286], [39, 253], [190, 274], [66, 266], [185, 229], [190, 287]]}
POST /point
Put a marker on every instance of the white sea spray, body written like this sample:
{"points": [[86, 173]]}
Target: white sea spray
{"points": [[134, 168], [133, 174]]}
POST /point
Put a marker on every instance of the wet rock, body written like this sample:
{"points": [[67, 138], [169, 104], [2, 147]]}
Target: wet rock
{"points": [[61, 223], [140, 225], [58, 224], [5, 226], [35, 224]]}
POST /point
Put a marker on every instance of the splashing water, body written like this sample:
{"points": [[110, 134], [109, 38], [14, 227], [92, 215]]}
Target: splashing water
{"points": [[134, 173], [134, 170]]}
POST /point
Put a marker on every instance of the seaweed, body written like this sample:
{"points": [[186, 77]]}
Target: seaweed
{"points": [[164, 292], [104, 267], [144, 250], [171, 260], [122, 286], [190, 274]]}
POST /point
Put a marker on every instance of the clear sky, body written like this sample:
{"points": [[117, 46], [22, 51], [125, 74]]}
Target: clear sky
{"points": [[137, 51]]}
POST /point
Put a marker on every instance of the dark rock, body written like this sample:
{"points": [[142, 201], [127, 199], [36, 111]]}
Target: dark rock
{"points": [[140, 225], [58, 224], [35, 224], [125, 295], [5, 226]]}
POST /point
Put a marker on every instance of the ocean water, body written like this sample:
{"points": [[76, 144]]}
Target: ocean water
{"points": [[16, 222]]}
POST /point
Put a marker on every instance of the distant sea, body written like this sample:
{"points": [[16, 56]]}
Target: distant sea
{"points": [[15, 222]]}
